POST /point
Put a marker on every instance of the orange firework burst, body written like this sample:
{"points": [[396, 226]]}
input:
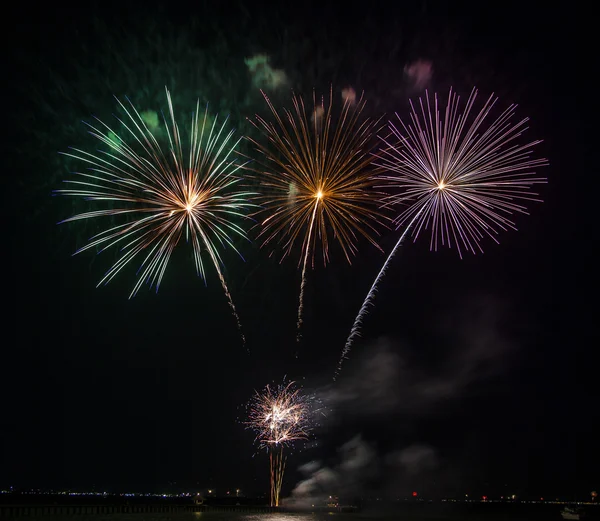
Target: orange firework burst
{"points": [[317, 180]]}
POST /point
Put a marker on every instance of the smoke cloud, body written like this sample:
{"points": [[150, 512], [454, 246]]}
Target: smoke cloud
{"points": [[357, 464], [418, 74], [361, 471], [388, 376], [388, 379]]}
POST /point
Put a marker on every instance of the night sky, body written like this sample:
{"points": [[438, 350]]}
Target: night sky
{"points": [[472, 376]]}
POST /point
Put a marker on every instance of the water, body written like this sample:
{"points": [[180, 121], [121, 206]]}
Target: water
{"points": [[465, 512]]}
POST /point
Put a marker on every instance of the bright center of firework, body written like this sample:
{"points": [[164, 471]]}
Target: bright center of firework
{"points": [[191, 201], [442, 185], [319, 195]]}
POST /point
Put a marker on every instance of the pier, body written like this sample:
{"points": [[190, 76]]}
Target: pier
{"points": [[8, 511]]}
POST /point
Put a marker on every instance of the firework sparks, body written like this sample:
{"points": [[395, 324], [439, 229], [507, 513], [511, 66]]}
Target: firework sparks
{"points": [[279, 416], [463, 181], [159, 198], [317, 180]]}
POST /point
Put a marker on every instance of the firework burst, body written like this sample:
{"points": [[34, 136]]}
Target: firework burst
{"points": [[279, 416], [317, 180], [160, 197], [462, 178]]}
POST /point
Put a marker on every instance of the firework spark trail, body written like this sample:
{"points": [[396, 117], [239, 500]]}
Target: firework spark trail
{"points": [[355, 331], [458, 177], [308, 157], [277, 462], [160, 197], [303, 283], [231, 304]]}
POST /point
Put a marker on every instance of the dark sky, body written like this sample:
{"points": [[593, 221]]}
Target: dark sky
{"points": [[485, 365]]}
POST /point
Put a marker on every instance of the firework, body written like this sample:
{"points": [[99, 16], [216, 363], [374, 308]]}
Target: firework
{"points": [[461, 178], [159, 197], [317, 180], [279, 416]]}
